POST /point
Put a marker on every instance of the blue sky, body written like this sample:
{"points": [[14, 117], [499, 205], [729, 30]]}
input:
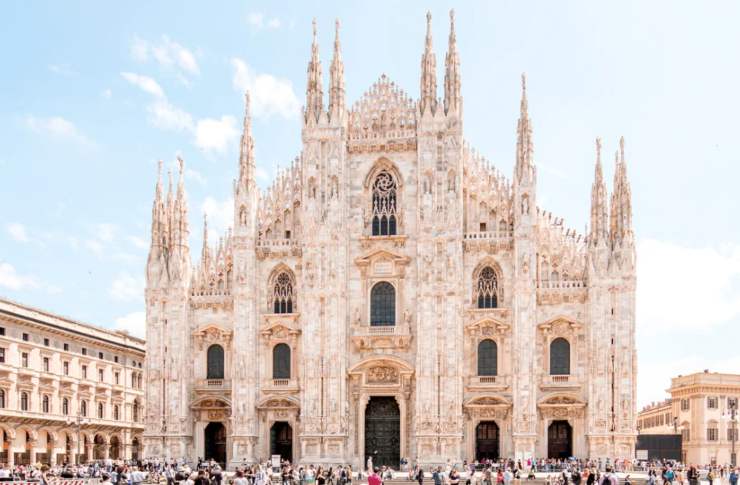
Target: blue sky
{"points": [[94, 93]]}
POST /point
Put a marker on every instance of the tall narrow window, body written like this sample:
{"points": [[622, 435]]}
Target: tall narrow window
{"points": [[487, 358], [383, 304], [65, 406], [83, 408], [486, 289], [24, 401], [45, 403], [116, 412], [101, 411], [282, 294], [384, 205], [559, 357], [215, 362], [281, 361], [24, 359], [136, 411], [2, 398]]}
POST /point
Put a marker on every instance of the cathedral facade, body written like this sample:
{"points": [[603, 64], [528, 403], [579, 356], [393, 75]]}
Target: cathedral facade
{"points": [[392, 295]]}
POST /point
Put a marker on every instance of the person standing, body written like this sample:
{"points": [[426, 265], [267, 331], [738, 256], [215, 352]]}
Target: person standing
{"points": [[420, 475], [374, 478], [733, 476]]}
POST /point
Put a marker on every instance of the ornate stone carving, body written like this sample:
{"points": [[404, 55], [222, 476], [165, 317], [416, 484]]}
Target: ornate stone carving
{"points": [[382, 375]]}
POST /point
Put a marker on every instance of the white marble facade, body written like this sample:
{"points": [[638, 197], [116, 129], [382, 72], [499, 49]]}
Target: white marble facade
{"points": [[374, 267]]}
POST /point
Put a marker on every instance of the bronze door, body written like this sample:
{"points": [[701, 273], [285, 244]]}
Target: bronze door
{"points": [[383, 431], [486, 441], [559, 440], [215, 443], [281, 440]]}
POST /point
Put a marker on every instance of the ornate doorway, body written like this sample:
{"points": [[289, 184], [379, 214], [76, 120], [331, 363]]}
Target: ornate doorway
{"points": [[215, 443], [281, 440], [383, 431], [559, 440], [487, 441]]}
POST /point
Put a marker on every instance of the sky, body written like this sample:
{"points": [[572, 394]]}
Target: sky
{"points": [[94, 93]]}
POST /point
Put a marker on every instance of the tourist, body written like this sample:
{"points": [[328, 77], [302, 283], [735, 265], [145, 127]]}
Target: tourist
{"points": [[454, 477], [374, 479], [609, 478], [733, 477], [710, 476], [419, 475], [437, 476]]}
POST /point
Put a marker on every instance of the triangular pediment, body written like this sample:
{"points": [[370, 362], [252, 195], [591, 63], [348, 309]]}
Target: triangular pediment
{"points": [[380, 255], [384, 109]]}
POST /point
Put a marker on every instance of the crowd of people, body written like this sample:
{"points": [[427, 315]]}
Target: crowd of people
{"points": [[486, 472]]}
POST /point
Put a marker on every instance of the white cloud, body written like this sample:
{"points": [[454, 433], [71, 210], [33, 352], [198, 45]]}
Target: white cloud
{"points": [[133, 323], [58, 128], [127, 288], [18, 232], [165, 116], [220, 214], [138, 242], [194, 175], [682, 287], [216, 135], [167, 53], [257, 21], [270, 95], [10, 279], [145, 83], [107, 93]]}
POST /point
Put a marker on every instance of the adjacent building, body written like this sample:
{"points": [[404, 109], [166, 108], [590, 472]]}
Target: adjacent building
{"points": [[657, 418], [69, 391], [703, 404], [392, 294]]}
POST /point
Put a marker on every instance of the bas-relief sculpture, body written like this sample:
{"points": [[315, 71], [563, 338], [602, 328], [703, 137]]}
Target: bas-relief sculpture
{"points": [[388, 191]]}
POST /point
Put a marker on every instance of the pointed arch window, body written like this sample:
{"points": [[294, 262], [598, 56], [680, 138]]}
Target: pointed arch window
{"points": [[383, 305], [282, 294], [487, 358], [486, 289], [559, 357], [281, 361], [215, 362], [384, 205]]}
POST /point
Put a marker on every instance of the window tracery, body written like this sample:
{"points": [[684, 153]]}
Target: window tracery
{"points": [[385, 215], [486, 289], [282, 294]]}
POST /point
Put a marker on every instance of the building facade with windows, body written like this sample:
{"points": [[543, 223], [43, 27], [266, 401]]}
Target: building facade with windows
{"points": [[69, 392], [657, 418], [392, 294], [703, 404]]}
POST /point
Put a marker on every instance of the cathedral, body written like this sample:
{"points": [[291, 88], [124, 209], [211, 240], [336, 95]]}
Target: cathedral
{"points": [[392, 295]]}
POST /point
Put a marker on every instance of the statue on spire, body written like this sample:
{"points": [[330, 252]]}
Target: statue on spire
{"points": [[452, 71], [336, 88], [524, 146], [314, 87]]}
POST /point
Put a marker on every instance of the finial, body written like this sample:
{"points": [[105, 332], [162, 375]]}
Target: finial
{"points": [[159, 169], [621, 148], [181, 163], [429, 29], [336, 28], [247, 101], [598, 150], [452, 20], [314, 30], [524, 84]]}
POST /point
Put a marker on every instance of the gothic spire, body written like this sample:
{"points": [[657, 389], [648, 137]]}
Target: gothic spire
{"points": [[314, 93], [205, 251], [452, 71], [336, 88], [180, 209], [621, 208], [246, 153], [524, 146], [428, 73], [599, 218], [158, 214]]}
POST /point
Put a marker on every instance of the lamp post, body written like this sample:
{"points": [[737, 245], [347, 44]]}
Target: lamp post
{"points": [[732, 405], [78, 421]]}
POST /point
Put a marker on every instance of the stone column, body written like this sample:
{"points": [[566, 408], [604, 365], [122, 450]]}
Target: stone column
{"points": [[11, 454], [90, 451], [361, 405], [106, 450], [402, 408], [32, 453]]}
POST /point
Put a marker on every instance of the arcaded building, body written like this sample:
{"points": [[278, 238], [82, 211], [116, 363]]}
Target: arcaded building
{"points": [[392, 294], [70, 392]]}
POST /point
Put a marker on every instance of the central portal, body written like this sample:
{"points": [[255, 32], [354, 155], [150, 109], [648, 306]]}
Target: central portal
{"points": [[383, 431], [559, 440], [486, 441], [281, 440], [215, 443]]}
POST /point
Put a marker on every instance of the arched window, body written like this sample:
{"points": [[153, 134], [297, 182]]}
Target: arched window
{"points": [[487, 358], [65, 406], [383, 304], [136, 411], [24, 401], [282, 294], [45, 403], [116, 412], [83, 408], [281, 361], [101, 411], [559, 357], [2, 398], [486, 289], [215, 362], [384, 205]]}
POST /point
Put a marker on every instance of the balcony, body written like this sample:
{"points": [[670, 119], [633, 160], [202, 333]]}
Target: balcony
{"points": [[489, 383], [487, 239], [561, 291], [282, 384], [560, 382], [366, 337], [278, 247], [212, 385]]}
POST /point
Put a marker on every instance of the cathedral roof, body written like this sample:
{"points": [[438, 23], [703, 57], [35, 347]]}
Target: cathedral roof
{"points": [[384, 111]]}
